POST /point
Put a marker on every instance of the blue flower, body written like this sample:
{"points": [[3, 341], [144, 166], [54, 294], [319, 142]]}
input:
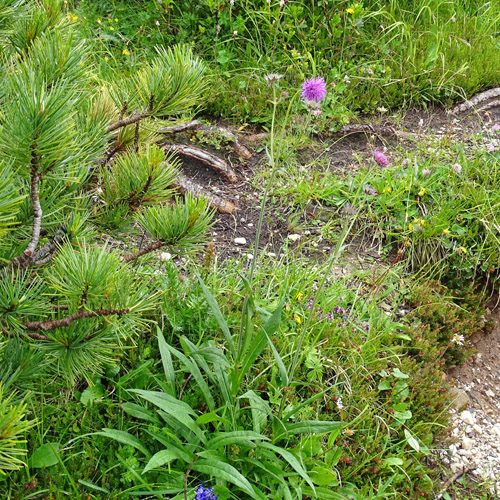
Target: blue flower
{"points": [[205, 493]]}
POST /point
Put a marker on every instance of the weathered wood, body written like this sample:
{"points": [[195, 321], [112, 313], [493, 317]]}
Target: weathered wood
{"points": [[205, 157], [475, 101], [223, 206]]}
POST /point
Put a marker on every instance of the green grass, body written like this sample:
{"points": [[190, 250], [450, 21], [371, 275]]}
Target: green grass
{"points": [[275, 378]]}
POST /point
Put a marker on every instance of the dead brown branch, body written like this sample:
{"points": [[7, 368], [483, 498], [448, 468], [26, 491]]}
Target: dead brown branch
{"points": [[241, 150], [223, 206], [475, 101], [205, 157]]}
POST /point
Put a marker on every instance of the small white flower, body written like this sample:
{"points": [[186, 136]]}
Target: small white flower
{"points": [[157, 23], [458, 339], [235, 33], [339, 404], [346, 79], [231, 3], [282, 2], [421, 122], [382, 109], [272, 77]]}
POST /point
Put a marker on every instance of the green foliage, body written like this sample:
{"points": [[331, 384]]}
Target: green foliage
{"points": [[182, 226], [13, 426], [444, 319]]}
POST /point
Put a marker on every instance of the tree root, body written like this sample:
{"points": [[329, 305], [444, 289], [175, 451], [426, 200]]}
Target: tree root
{"points": [[241, 150], [475, 101], [205, 157], [223, 206]]}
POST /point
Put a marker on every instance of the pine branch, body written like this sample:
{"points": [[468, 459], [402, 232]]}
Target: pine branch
{"points": [[147, 249], [25, 259], [58, 323], [133, 118], [45, 254]]}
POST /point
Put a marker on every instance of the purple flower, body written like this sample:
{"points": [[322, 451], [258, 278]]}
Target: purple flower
{"points": [[426, 172], [380, 158], [205, 493], [495, 128], [457, 168], [313, 90]]}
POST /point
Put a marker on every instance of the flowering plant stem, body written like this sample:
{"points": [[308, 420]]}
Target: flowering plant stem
{"points": [[273, 156]]}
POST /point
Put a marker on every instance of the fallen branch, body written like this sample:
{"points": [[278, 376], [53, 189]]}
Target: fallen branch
{"points": [[205, 157], [239, 148], [31, 335], [223, 206], [490, 105], [253, 138], [476, 100], [58, 323]]}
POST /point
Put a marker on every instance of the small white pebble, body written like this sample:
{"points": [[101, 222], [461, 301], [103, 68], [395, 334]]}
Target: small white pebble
{"points": [[294, 237], [240, 241], [164, 256]]}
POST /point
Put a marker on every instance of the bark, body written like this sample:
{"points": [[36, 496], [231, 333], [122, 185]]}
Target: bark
{"points": [[223, 206], [475, 101], [205, 157], [58, 323]]}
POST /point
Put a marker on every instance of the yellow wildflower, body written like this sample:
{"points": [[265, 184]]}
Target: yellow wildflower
{"points": [[125, 52], [111, 28], [415, 221], [299, 296], [106, 59], [297, 318], [421, 192], [422, 222], [350, 10], [446, 231], [410, 227], [462, 250], [389, 190], [99, 21], [116, 20]]}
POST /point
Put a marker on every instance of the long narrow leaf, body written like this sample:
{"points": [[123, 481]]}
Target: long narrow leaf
{"points": [[124, 438], [178, 410], [166, 360], [218, 315]]}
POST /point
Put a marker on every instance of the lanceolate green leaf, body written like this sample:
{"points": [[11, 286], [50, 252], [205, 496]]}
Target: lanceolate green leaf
{"points": [[125, 438], [166, 360], [292, 460], [178, 410], [161, 458], [226, 472], [239, 438], [217, 315]]}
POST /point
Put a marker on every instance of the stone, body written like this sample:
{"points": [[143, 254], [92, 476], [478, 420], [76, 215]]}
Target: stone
{"points": [[490, 393], [164, 256], [467, 417], [477, 428], [456, 467], [294, 237], [460, 398], [467, 443], [240, 241]]}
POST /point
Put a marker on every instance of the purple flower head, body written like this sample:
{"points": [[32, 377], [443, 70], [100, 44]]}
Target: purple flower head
{"points": [[380, 158], [205, 493], [426, 172], [457, 168], [495, 128], [313, 90]]}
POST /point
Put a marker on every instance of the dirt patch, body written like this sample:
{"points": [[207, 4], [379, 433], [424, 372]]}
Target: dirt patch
{"points": [[481, 378]]}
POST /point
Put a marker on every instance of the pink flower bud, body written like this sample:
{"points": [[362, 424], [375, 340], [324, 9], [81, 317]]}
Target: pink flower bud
{"points": [[380, 158]]}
